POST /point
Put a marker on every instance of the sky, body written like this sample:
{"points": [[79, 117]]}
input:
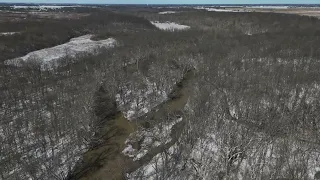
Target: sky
{"points": [[169, 1]]}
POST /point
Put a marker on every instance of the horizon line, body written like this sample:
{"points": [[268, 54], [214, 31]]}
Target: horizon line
{"points": [[5, 2]]}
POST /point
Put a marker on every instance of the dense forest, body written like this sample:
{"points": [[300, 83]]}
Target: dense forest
{"points": [[243, 89]]}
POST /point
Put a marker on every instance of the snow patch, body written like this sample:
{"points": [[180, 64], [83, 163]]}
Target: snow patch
{"points": [[74, 47], [40, 7], [269, 7], [170, 26], [8, 33], [168, 12], [129, 151], [220, 10], [215, 9]]}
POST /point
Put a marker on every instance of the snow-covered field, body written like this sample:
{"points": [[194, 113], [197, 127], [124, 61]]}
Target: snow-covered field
{"points": [[74, 47], [8, 33], [220, 10], [228, 8], [170, 26], [40, 7], [168, 12], [269, 7], [212, 9]]}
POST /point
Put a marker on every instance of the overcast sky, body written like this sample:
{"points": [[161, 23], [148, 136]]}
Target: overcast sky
{"points": [[170, 1]]}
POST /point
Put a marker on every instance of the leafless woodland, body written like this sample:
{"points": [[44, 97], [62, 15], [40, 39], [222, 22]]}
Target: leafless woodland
{"points": [[245, 86]]}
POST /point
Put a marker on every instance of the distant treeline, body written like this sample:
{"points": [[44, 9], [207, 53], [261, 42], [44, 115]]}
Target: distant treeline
{"points": [[37, 33]]}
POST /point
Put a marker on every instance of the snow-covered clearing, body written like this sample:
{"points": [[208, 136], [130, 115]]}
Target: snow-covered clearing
{"points": [[74, 47], [215, 9], [269, 7], [219, 10], [170, 26], [230, 6], [40, 7], [168, 12], [8, 33]]}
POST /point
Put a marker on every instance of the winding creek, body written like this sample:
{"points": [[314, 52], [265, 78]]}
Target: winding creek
{"points": [[107, 159]]}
